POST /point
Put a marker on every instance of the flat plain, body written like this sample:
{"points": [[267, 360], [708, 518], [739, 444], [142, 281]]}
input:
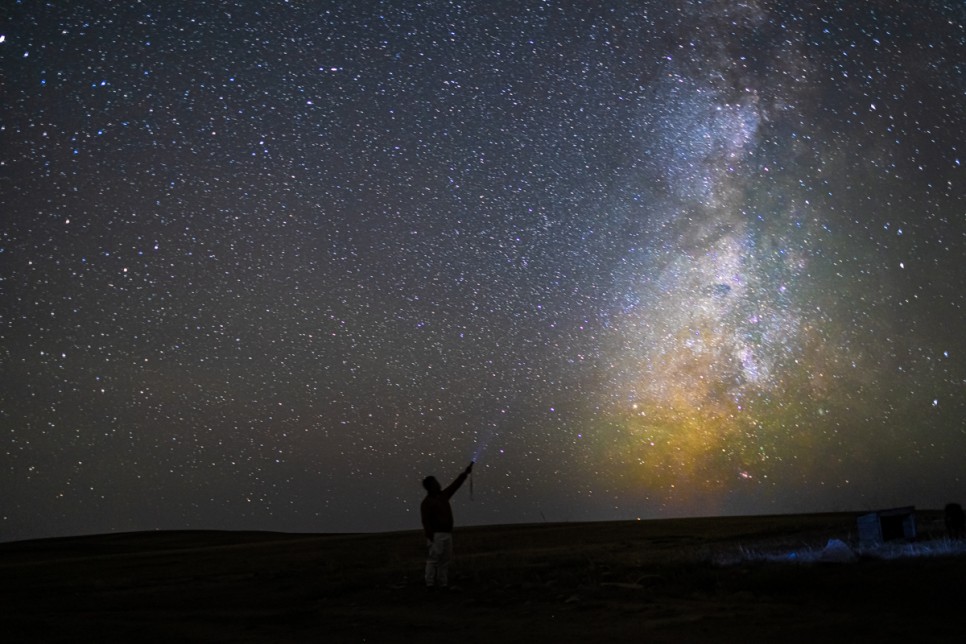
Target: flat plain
{"points": [[725, 579]]}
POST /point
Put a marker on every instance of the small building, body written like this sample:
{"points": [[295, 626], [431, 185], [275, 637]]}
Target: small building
{"points": [[888, 525]]}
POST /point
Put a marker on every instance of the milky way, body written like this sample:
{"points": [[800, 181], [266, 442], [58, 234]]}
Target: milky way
{"points": [[266, 265]]}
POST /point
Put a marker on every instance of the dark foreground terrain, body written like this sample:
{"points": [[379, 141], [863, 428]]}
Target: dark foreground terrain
{"points": [[649, 581]]}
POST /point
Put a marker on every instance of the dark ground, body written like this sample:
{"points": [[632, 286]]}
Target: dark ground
{"points": [[649, 581]]}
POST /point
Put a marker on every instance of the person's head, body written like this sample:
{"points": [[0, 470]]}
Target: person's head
{"points": [[431, 484]]}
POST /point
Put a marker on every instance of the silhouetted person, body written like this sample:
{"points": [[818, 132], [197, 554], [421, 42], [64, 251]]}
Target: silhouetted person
{"points": [[438, 524], [955, 521]]}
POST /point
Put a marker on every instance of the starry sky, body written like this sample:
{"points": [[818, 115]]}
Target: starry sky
{"points": [[265, 265]]}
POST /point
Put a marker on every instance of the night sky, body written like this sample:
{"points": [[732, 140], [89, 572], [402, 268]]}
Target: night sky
{"points": [[265, 265]]}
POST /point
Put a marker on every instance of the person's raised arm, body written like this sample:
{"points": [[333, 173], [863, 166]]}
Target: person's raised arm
{"points": [[455, 485]]}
